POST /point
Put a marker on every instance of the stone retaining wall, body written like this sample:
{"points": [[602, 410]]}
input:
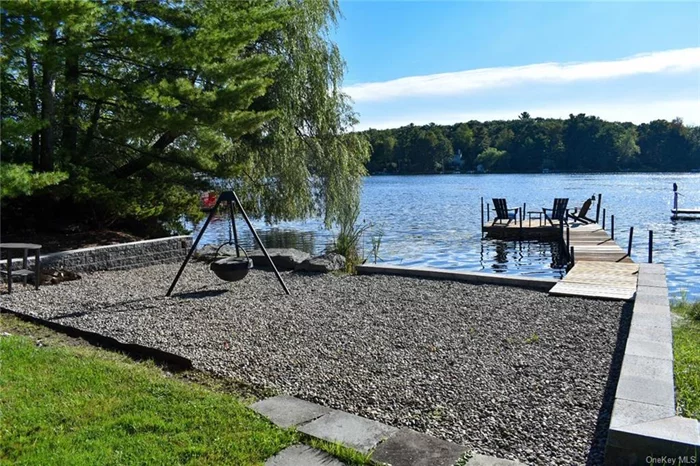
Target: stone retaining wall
{"points": [[114, 257], [644, 428]]}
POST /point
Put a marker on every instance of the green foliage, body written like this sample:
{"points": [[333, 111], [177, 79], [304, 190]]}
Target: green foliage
{"points": [[143, 102], [376, 239], [69, 405], [579, 143], [349, 235], [18, 180], [687, 309], [493, 159], [686, 357]]}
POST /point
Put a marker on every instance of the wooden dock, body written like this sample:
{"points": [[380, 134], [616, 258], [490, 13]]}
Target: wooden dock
{"points": [[527, 230], [592, 243], [679, 214], [602, 269]]}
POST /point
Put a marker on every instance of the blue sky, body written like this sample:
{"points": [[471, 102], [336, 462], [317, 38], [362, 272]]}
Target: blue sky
{"points": [[444, 62]]}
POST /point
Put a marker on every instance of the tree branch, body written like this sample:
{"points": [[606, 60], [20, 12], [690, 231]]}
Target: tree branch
{"points": [[145, 160]]}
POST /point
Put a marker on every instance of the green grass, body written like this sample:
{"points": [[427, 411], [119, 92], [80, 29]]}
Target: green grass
{"points": [[344, 454], [686, 355], [77, 405]]}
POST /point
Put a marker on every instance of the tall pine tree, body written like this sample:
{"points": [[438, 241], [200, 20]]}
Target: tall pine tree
{"points": [[142, 103]]}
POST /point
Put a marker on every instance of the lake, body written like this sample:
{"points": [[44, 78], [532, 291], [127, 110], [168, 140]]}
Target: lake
{"points": [[433, 221]]}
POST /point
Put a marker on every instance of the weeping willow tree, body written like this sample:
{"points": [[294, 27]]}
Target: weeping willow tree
{"points": [[135, 106], [305, 161]]}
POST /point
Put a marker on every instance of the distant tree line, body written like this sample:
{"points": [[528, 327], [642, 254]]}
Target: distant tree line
{"points": [[580, 143]]}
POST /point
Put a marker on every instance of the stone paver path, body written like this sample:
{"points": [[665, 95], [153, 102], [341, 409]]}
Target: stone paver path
{"points": [[403, 447]]}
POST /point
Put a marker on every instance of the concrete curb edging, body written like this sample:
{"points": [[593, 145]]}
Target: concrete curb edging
{"points": [[115, 256], [134, 349], [643, 424], [476, 278], [385, 444]]}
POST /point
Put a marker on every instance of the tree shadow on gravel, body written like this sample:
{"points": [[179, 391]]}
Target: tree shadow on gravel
{"points": [[596, 454]]}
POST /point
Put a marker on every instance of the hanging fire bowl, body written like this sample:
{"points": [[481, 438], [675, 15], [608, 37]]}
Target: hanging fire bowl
{"points": [[231, 269]]}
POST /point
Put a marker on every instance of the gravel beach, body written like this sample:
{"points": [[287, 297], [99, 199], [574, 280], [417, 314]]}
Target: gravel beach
{"points": [[507, 372]]}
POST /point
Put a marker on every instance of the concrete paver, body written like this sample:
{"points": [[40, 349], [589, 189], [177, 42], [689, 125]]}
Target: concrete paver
{"points": [[302, 455], [352, 431], [287, 411], [410, 448]]}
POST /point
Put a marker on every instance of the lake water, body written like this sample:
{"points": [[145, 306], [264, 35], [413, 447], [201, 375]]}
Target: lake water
{"points": [[433, 221]]}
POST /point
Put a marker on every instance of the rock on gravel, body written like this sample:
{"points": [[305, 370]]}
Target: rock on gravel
{"points": [[507, 372], [324, 263], [283, 258]]}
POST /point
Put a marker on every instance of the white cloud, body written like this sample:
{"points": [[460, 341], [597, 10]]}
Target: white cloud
{"points": [[470, 81], [642, 111]]}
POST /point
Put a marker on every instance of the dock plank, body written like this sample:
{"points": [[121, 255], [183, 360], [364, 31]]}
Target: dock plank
{"points": [[592, 291], [602, 268]]}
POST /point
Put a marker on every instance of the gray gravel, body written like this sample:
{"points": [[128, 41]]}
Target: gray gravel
{"points": [[507, 372]]}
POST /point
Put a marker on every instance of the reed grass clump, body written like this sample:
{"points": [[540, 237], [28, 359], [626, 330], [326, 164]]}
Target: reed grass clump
{"points": [[350, 232]]}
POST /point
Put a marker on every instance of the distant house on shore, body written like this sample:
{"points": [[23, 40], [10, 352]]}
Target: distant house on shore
{"points": [[456, 163]]}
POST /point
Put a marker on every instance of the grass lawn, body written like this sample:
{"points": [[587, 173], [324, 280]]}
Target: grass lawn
{"points": [[62, 404], [686, 353]]}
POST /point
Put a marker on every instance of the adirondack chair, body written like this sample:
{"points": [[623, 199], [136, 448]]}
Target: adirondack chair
{"points": [[579, 215], [503, 212], [558, 211]]}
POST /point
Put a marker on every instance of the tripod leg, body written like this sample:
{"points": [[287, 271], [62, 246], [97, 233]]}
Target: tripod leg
{"points": [[194, 246], [257, 239], [233, 225]]}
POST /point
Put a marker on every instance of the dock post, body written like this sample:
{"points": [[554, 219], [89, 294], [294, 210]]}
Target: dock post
{"points": [[572, 258], [612, 227], [568, 235], [482, 217], [520, 232], [597, 209], [488, 212], [561, 230], [651, 245], [603, 219], [629, 244]]}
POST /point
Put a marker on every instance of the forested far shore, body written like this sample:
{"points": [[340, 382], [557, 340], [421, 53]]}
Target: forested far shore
{"points": [[581, 143]]}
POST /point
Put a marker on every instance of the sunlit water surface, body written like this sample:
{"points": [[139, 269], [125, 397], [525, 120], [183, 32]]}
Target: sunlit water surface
{"points": [[433, 221]]}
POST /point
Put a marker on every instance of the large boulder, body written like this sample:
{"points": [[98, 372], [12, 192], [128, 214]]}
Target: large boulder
{"points": [[283, 258], [208, 252], [325, 263]]}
